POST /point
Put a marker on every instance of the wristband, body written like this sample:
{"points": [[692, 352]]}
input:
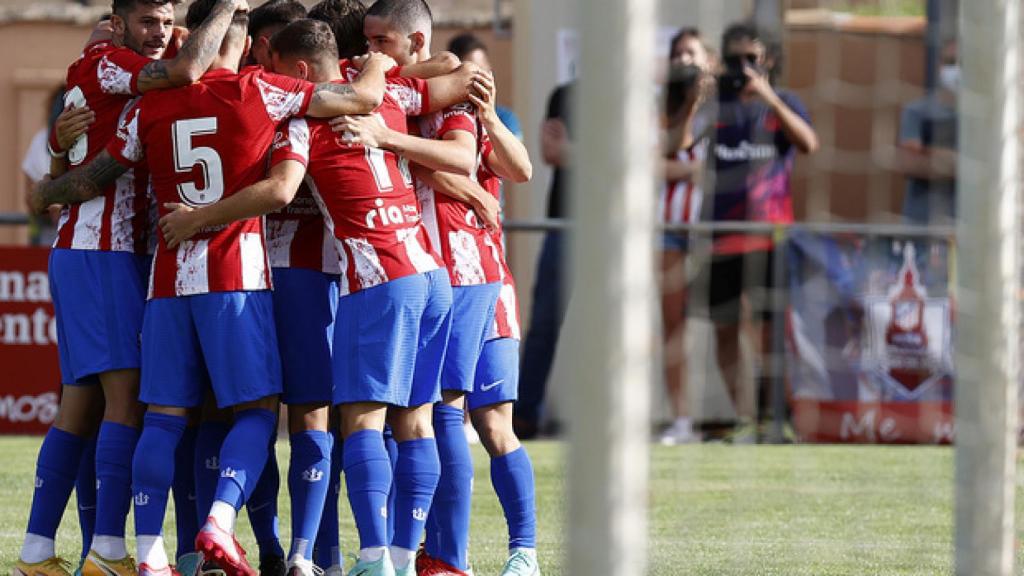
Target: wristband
{"points": [[53, 147]]}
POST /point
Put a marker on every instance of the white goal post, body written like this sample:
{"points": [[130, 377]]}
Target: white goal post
{"points": [[988, 281], [613, 262]]}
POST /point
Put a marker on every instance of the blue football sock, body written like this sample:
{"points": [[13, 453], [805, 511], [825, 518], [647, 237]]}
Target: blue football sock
{"points": [[85, 494], [391, 445], [153, 471], [328, 547], [56, 470], [308, 482], [368, 478], [512, 478], [452, 501], [184, 491], [209, 439], [115, 447], [243, 455], [262, 506], [417, 473]]}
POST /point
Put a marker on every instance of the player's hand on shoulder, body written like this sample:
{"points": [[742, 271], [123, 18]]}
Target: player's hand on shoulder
{"points": [[179, 224], [72, 123], [363, 129]]}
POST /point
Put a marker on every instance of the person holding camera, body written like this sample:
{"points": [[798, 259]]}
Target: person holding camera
{"points": [[758, 132]]}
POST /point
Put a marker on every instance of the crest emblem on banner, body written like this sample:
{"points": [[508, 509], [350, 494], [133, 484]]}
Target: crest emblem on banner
{"points": [[908, 346]]}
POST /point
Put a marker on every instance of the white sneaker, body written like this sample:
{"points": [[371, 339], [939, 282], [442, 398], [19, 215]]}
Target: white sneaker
{"points": [[303, 567], [678, 434]]}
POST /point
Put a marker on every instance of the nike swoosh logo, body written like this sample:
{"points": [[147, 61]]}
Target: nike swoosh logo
{"points": [[492, 385], [258, 507]]}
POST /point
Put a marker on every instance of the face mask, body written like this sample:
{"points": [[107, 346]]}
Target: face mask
{"points": [[949, 77]]}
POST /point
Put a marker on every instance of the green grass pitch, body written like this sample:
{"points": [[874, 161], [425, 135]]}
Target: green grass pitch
{"points": [[714, 510]]}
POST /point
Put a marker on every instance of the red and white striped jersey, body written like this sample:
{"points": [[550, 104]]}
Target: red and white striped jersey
{"points": [[105, 78], [297, 236], [506, 309], [365, 194], [201, 143], [680, 201], [463, 242]]}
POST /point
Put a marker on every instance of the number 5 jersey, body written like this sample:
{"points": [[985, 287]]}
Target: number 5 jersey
{"points": [[201, 143]]}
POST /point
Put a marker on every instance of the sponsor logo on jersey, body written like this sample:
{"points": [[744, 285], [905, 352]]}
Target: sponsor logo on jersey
{"points": [[391, 215], [745, 151]]}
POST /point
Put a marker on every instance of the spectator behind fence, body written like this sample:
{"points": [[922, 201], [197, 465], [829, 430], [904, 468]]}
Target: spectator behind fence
{"points": [[469, 48], [684, 148], [928, 147], [550, 286], [757, 134], [36, 165]]}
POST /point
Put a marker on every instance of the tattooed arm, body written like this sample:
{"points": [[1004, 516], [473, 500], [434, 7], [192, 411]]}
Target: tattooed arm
{"points": [[362, 96], [79, 185], [196, 55]]}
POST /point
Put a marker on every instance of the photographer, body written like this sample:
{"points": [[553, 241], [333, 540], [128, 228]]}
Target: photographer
{"points": [[757, 134], [684, 149]]}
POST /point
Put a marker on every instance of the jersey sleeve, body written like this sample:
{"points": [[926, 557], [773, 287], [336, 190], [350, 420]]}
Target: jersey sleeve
{"points": [[458, 117], [126, 145], [284, 97], [118, 71], [794, 103], [412, 94], [291, 143]]}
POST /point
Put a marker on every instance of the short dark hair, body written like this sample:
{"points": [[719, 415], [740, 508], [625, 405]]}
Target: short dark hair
{"points": [[345, 17], [274, 13], [739, 32], [123, 7], [465, 44], [200, 10], [306, 38], [407, 16], [685, 32]]}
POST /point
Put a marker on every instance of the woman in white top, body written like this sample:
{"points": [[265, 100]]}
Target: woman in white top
{"points": [[684, 148]]}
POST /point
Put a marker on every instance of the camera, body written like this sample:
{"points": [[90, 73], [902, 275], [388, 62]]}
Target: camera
{"points": [[733, 78]]}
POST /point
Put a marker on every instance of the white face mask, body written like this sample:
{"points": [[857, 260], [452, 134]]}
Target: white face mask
{"points": [[949, 77]]}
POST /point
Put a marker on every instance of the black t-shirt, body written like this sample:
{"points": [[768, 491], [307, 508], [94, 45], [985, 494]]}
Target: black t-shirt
{"points": [[558, 108]]}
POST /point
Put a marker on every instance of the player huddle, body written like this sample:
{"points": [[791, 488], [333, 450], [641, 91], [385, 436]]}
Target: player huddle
{"points": [[319, 228]]}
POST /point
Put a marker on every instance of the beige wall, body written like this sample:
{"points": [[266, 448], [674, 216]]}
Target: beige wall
{"points": [[854, 77], [38, 56]]}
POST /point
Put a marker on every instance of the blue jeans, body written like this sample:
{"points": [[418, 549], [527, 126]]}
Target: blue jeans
{"points": [[546, 315]]}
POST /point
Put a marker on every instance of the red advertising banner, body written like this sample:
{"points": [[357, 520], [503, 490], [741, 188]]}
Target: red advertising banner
{"points": [[873, 423], [29, 369]]}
